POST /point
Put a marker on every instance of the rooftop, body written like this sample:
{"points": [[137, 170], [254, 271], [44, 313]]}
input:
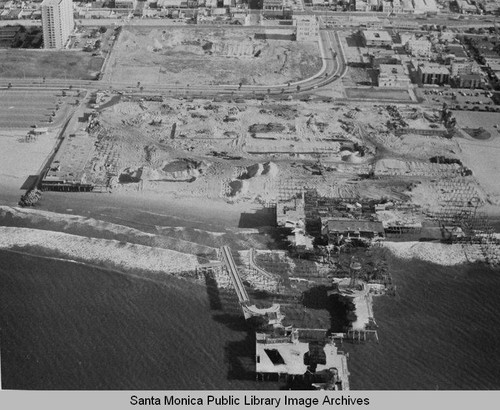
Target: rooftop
{"points": [[352, 225], [433, 68], [69, 163], [392, 69], [52, 2], [377, 35]]}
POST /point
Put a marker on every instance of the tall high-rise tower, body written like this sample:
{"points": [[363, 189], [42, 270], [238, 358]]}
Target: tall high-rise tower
{"points": [[57, 22]]}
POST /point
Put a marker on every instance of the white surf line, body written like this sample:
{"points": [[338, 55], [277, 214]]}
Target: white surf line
{"points": [[91, 265]]}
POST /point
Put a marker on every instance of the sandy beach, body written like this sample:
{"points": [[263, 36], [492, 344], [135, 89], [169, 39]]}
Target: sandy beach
{"points": [[438, 253], [110, 253]]}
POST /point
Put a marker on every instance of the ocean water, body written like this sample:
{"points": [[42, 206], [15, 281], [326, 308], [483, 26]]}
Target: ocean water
{"points": [[68, 326], [441, 331]]}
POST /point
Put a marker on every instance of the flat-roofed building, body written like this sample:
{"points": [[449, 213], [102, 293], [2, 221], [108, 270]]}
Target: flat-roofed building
{"points": [[57, 22], [470, 80], [407, 6], [377, 38], [433, 73], [273, 5], [464, 68], [9, 35], [396, 7], [386, 7], [125, 4], [307, 28], [393, 75]]}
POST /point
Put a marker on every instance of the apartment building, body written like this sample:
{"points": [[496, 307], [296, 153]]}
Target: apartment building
{"points": [[57, 22]]}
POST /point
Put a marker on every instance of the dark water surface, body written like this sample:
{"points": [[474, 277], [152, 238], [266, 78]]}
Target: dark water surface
{"points": [[69, 326], [440, 332]]}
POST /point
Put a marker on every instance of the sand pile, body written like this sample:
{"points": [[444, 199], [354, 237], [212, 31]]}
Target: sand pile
{"points": [[109, 253], [267, 169], [270, 169], [178, 170]]}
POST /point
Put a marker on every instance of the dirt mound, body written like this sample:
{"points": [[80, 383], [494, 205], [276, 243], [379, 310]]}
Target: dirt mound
{"points": [[253, 171], [130, 175], [238, 187], [352, 158], [271, 169]]}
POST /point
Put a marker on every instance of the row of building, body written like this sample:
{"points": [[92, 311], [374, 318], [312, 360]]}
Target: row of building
{"points": [[433, 62], [410, 6]]}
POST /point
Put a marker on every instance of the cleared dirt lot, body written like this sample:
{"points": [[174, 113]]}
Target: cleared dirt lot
{"points": [[50, 64], [209, 56], [482, 156]]}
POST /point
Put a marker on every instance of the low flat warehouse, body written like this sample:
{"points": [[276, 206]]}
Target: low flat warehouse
{"points": [[67, 170]]}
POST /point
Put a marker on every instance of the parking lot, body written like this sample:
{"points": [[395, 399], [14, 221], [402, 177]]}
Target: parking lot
{"points": [[460, 99]]}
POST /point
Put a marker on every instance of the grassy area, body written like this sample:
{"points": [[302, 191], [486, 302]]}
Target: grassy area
{"points": [[50, 64], [378, 94]]}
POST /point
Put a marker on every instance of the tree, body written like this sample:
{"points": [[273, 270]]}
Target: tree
{"points": [[102, 29], [9, 85], [269, 91], [138, 84], [298, 88]]}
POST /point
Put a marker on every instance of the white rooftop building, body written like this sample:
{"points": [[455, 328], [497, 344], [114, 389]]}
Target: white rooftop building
{"points": [[57, 22], [307, 28]]}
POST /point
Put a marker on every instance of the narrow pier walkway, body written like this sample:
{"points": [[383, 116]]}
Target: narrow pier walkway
{"points": [[227, 259]]}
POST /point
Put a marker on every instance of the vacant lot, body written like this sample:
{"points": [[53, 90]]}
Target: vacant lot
{"points": [[49, 64], [378, 94], [209, 56]]}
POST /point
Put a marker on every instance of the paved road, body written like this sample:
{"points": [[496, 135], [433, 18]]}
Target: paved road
{"points": [[333, 67]]}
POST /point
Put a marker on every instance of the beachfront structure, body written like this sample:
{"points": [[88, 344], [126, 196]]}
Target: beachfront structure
{"points": [[377, 38], [291, 354], [57, 22], [351, 228], [307, 28], [67, 171]]}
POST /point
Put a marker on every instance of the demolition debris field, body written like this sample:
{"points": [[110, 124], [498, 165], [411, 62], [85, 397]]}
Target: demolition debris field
{"points": [[211, 56]]}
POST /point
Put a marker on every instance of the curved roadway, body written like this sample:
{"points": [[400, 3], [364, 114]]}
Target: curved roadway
{"points": [[333, 68]]}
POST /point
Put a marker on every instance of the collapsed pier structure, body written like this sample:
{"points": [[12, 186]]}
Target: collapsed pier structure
{"points": [[285, 351]]}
